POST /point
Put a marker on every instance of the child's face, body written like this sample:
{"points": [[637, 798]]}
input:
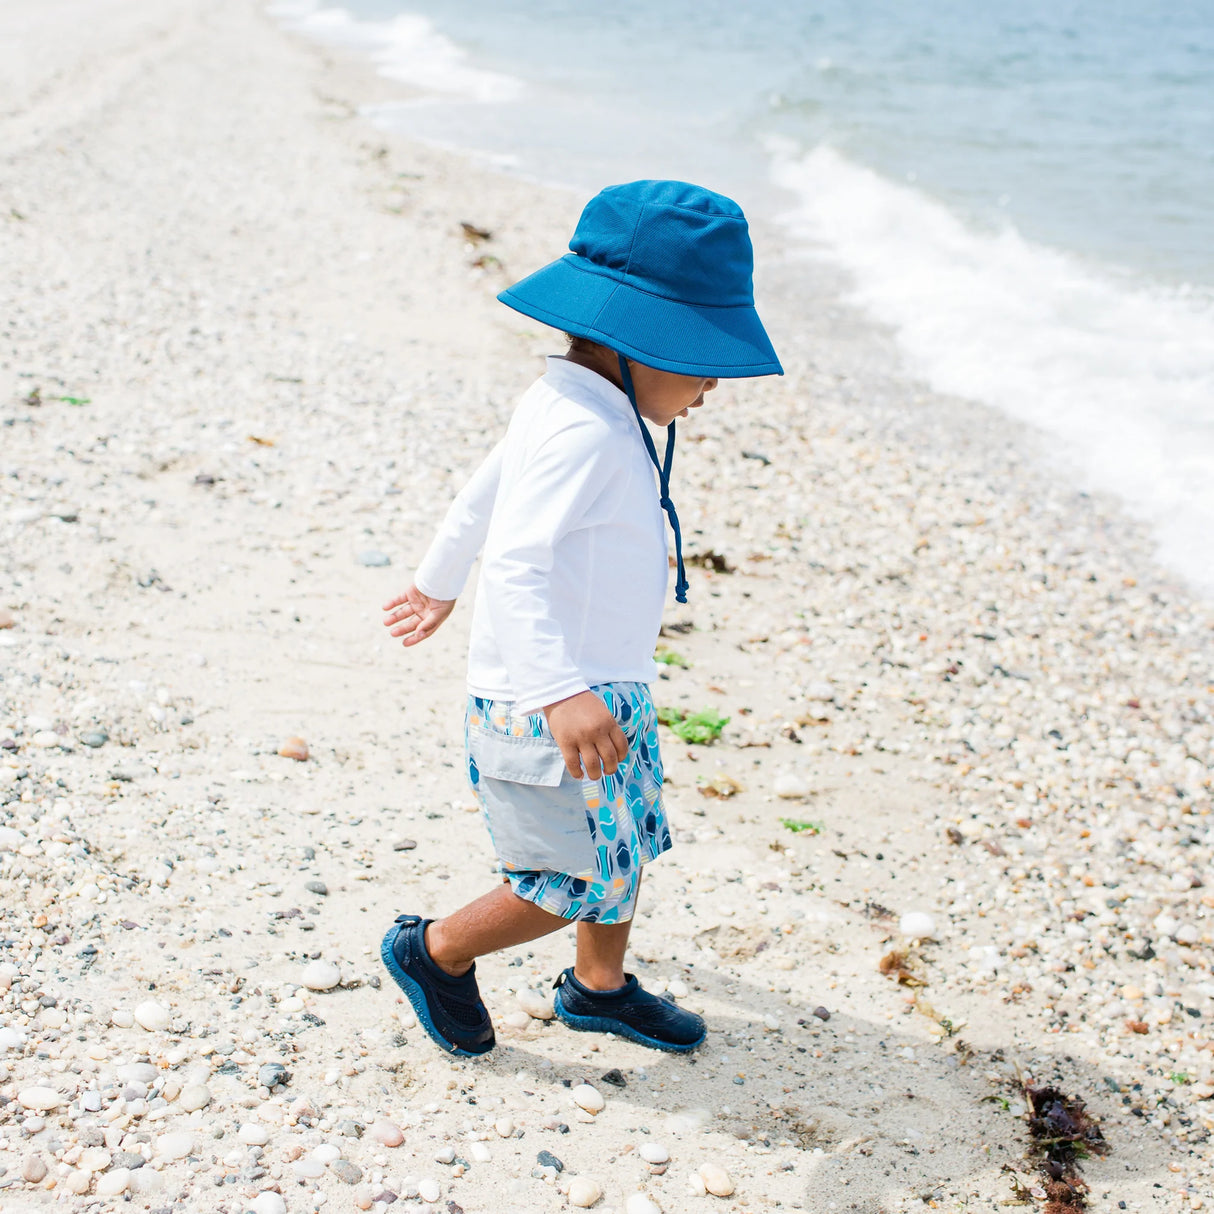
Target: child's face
{"points": [[662, 395]]}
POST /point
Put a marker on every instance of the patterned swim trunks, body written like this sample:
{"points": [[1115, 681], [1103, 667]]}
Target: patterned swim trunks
{"points": [[573, 847]]}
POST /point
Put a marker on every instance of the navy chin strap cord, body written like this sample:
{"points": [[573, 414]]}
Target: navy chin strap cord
{"points": [[680, 584]]}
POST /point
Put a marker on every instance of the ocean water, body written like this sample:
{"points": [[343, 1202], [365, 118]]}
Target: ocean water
{"points": [[1023, 193]]}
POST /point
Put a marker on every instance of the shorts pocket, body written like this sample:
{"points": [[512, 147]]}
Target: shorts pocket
{"points": [[535, 809]]}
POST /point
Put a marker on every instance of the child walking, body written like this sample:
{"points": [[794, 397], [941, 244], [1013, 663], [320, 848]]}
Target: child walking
{"points": [[561, 733]]}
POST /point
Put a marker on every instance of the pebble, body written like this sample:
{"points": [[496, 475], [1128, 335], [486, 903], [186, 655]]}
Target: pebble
{"points": [[294, 748], [137, 1072], [429, 1189], [347, 1172], [94, 1159], [78, 1183], [94, 739], [653, 1152], [373, 559], [10, 1038], [253, 1134], [642, 1203], [268, 1203], [546, 1159], [504, 1127], [588, 1098], [792, 786], [317, 887], [194, 1096], [326, 1153], [321, 975], [175, 1145], [33, 1169], [271, 1074], [479, 1152], [917, 925], [537, 1004], [386, 1133], [583, 1192], [40, 1099], [445, 1155], [113, 1183], [152, 1016], [716, 1180]]}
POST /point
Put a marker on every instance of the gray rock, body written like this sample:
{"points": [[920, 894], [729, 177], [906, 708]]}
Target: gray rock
{"points": [[373, 558], [349, 1129], [271, 1074], [546, 1159], [317, 887], [347, 1172], [95, 739]]}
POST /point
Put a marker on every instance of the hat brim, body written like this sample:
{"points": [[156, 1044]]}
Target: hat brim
{"points": [[715, 342]]}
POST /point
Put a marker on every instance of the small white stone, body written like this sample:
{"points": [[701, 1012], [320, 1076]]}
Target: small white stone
{"points": [[268, 1203], [308, 1169], [792, 786], [46, 738], [504, 1127], [642, 1203], [122, 1018], [479, 1152], [677, 988], [177, 1144], [11, 1039], [583, 1192], [113, 1183], [445, 1155], [428, 1189], [695, 1185], [78, 1183], [917, 925], [146, 1180], [94, 1159], [386, 1133], [321, 975], [152, 1016], [326, 1153], [40, 1099], [194, 1096], [292, 1003], [517, 1019], [654, 1152], [537, 1004], [588, 1098], [716, 1180], [253, 1135]]}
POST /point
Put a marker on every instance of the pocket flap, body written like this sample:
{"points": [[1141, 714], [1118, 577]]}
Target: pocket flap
{"points": [[520, 760]]}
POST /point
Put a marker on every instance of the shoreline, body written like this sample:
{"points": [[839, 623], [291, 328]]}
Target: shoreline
{"points": [[247, 307]]}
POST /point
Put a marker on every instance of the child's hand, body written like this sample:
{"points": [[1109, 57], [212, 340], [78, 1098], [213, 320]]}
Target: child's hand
{"points": [[589, 736], [414, 615]]}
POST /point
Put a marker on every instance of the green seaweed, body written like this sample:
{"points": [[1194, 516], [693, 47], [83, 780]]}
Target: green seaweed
{"points": [[697, 728], [801, 826]]}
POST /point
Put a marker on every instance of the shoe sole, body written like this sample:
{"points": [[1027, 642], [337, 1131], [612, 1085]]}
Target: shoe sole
{"points": [[417, 997], [605, 1024]]}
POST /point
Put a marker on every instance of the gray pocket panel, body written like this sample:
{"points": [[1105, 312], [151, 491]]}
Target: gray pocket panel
{"points": [[535, 809]]}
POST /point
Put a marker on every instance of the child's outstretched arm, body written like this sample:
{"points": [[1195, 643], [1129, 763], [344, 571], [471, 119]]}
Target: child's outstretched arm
{"points": [[414, 614]]}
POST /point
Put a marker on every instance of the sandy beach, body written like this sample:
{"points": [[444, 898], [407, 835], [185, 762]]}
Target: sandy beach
{"points": [[954, 843]]}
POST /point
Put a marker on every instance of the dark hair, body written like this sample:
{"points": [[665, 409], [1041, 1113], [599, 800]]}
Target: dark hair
{"points": [[582, 345]]}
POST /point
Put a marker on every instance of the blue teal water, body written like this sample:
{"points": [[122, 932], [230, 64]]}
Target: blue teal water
{"points": [[1021, 191], [1087, 123]]}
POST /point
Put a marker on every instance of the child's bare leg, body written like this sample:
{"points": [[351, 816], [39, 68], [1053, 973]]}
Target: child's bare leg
{"points": [[499, 919], [600, 954]]}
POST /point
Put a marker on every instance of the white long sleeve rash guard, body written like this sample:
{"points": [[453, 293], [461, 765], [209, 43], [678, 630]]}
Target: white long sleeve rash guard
{"points": [[575, 567]]}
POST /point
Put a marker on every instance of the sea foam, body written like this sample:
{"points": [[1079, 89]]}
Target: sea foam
{"points": [[1121, 372], [406, 48]]}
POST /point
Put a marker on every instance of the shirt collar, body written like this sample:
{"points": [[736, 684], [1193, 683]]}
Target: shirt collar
{"points": [[561, 371]]}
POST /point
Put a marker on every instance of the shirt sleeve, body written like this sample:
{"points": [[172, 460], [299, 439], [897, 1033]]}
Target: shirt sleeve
{"points": [[551, 497], [461, 536]]}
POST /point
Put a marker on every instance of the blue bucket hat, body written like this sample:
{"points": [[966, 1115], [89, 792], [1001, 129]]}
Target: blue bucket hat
{"points": [[660, 272]]}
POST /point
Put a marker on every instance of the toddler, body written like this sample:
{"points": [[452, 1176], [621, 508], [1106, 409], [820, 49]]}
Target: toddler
{"points": [[561, 733]]}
